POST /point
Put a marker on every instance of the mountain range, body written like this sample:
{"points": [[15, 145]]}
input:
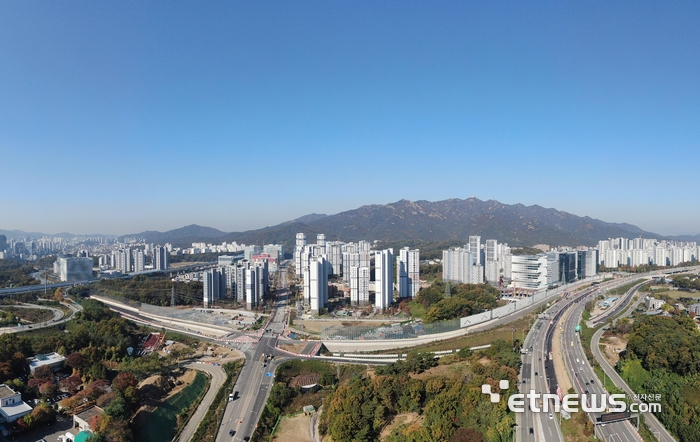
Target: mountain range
{"points": [[415, 222]]}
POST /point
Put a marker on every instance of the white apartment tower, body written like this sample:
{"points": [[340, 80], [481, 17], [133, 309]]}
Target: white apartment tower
{"points": [[214, 286], [457, 265], [321, 243], [408, 272], [160, 258], [475, 249], [384, 278], [359, 285], [139, 265], [318, 284]]}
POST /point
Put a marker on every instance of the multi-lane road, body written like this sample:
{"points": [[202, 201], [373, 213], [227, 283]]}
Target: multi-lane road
{"points": [[538, 374], [586, 383], [255, 380]]}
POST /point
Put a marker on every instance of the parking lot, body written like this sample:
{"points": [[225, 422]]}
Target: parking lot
{"points": [[48, 432]]}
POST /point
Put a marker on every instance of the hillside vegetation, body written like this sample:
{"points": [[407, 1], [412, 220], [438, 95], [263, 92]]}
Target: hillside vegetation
{"points": [[663, 358], [446, 394]]}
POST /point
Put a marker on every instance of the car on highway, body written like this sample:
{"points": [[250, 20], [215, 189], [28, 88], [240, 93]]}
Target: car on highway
{"points": [[532, 431], [231, 432], [551, 416]]}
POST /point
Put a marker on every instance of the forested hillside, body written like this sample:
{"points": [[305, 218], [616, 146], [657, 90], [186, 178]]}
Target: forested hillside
{"points": [[446, 394], [663, 358]]}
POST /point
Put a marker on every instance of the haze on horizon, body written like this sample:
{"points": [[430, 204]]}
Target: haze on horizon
{"points": [[128, 116]]}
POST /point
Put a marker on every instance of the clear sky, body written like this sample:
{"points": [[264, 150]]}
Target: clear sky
{"points": [[123, 116]]}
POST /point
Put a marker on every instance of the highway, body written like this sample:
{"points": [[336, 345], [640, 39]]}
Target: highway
{"points": [[58, 318], [586, 382], [537, 371], [655, 426]]}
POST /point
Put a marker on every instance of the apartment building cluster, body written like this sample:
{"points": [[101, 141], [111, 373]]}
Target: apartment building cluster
{"points": [[245, 280], [314, 263], [494, 263], [617, 252], [32, 248], [133, 260]]}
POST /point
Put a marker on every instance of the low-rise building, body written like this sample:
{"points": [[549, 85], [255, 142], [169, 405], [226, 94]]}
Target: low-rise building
{"points": [[54, 360], [695, 308], [12, 407], [83, 419], [653, 303]]}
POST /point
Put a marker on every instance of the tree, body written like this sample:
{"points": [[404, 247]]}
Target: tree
{"points": [[123, 381], [75, 360], [47, 389], [467, 435]]}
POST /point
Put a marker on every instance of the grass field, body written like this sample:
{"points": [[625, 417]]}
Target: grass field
{"points": [[578, 428], [162, 423], [416, 309], [32, 315]]}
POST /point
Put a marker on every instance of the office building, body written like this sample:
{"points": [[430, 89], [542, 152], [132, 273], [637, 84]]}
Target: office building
{"points": [[567, 267], [529, 271]]}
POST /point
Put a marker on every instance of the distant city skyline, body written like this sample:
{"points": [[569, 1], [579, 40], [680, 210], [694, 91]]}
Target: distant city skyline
{"points": [[116, 118]]}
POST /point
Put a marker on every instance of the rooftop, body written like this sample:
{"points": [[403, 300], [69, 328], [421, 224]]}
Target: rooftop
{"points": [[6, 391], [48, 358], [90, 413]]}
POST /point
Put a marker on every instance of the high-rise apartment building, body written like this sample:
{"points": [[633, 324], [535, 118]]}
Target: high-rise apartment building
{"points": [[214, 286], [408, 273], [318, 284], [475, 249], [384, 278], [73, 268], [139, 260], [160, 258], [457, 265], [359, 285]]}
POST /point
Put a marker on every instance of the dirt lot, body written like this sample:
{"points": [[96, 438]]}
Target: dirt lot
{"points": [[295, 429], [612, 347], [316, 325], [400, 419], [294, 348]]}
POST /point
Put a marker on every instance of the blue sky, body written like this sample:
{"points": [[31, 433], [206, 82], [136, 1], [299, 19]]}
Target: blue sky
{"points": [[120, 116]]}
